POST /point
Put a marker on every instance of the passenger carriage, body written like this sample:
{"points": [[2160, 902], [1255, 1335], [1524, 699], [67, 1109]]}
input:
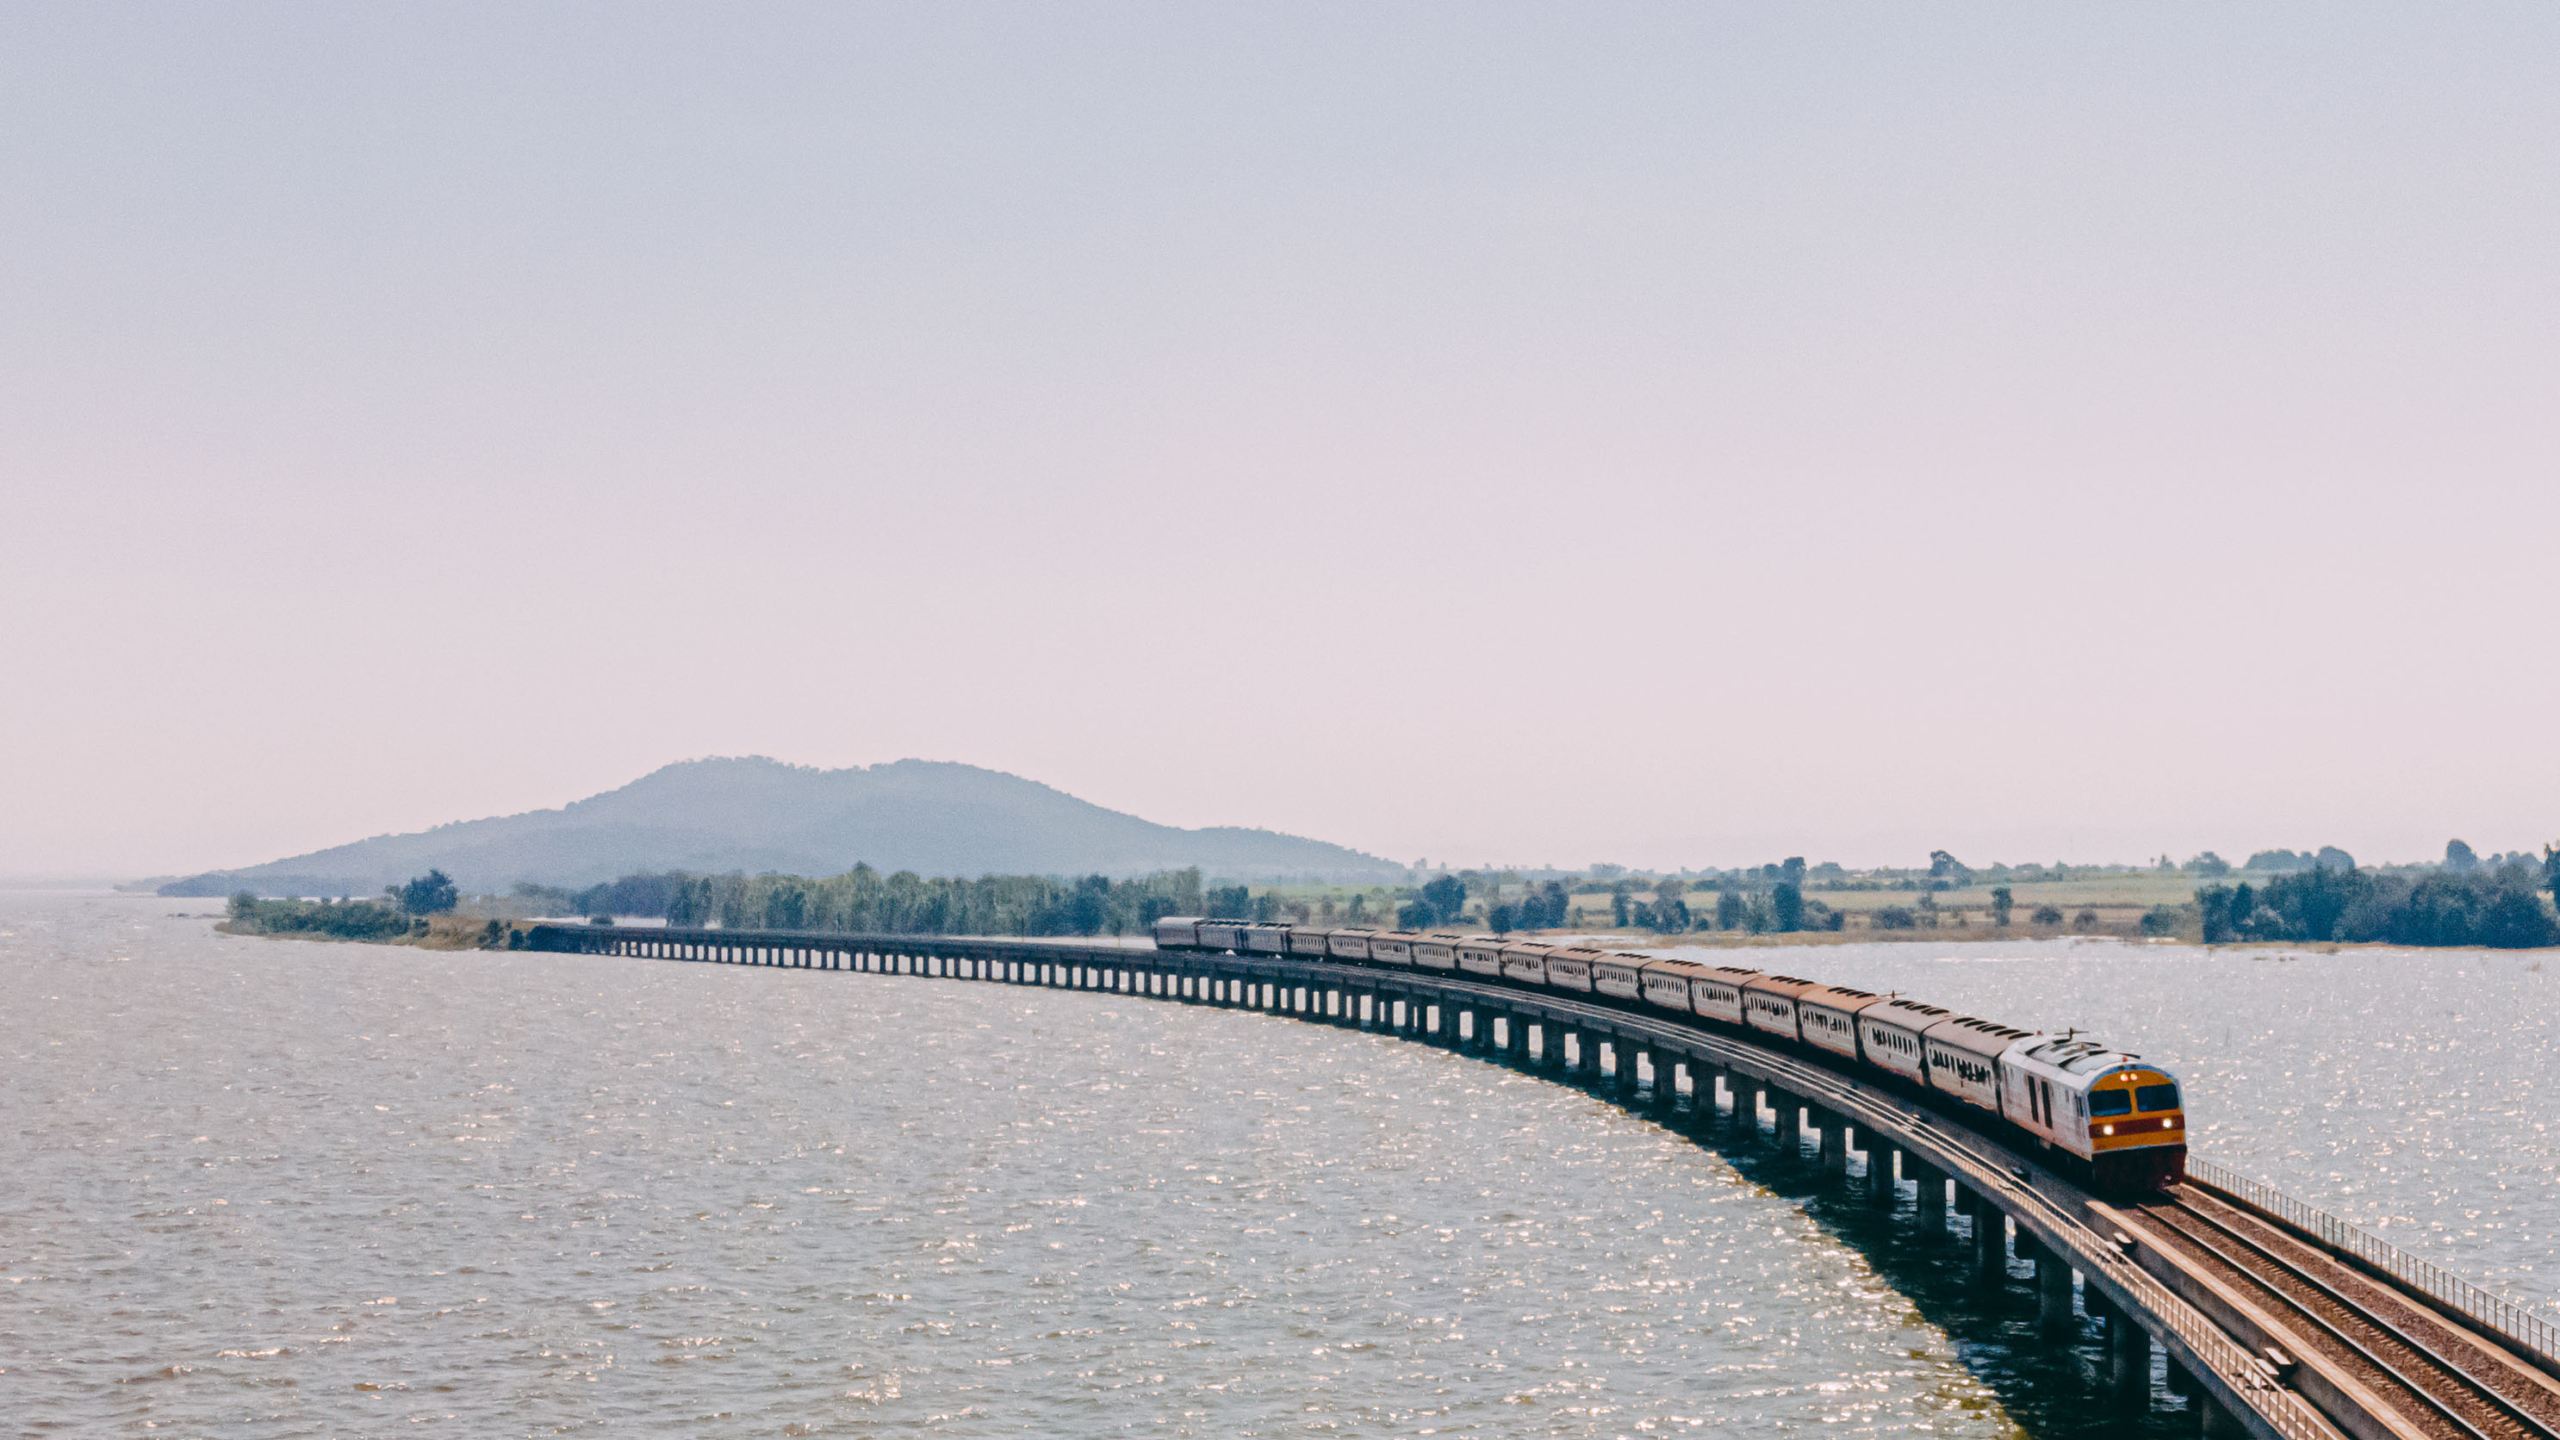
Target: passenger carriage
{"points": [[1262, 939], [1392, 947], [1525, 961], [1889, 1035], [1769, 1003], [1350, 944], [1963, 1054], [1480, 955], [1621, 976], [1717, 994], [1666, 984], [1569, 968], [1437, 950], [1310, 942], [1827, 1017]]}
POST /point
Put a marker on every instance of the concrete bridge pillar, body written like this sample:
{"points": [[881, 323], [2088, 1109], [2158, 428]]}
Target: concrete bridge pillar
{"points": [[1929, 1206], [1881, 1180], [2053, 1293], [1706, 1101], [1832, 1142], [2128, 1354], [2181, 1382], [1990, 1240]]}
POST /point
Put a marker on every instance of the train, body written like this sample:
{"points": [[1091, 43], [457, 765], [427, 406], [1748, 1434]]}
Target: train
{"points": [[2107, 1118]]}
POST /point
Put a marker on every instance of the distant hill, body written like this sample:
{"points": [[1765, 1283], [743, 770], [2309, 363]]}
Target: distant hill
{"points": [[757, 815]]}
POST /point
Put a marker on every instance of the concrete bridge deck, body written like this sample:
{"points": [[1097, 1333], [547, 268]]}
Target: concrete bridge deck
{"points": [[2283, 1325]]}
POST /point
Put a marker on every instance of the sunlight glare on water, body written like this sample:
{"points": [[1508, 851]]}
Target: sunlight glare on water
{"points": [[269, 1188]]}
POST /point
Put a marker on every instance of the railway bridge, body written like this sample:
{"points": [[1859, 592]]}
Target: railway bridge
{"points": [[2276, 1320]]}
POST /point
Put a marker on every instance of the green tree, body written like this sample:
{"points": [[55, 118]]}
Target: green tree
{"points": [[1444, 900], [2001, 903], [1729, 908], [430, 894], [1786, 906]]}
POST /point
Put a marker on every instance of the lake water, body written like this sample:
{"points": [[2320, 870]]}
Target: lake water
{"points": [[265, 1188]]}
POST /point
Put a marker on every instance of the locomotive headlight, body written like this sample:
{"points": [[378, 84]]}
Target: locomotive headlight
{"points": [[2106, 1129], [2168, 1122]]}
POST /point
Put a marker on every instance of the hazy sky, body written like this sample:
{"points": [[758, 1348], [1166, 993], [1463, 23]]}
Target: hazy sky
{"points": [[1674, 434]]}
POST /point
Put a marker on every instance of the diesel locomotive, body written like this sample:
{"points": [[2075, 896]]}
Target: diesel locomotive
{"points": [[2106, 1117]]}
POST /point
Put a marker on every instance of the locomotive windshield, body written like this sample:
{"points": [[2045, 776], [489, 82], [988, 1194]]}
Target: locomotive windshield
{"points": [[2158, 1097], [2110, 1102]]}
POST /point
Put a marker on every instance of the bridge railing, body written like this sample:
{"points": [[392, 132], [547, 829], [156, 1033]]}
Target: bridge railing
{"points": [[2292, 1416], [2512, 1319]]}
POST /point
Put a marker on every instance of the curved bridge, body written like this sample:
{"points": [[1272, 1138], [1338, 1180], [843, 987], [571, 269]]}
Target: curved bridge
{"points": [[2286, 1322]]}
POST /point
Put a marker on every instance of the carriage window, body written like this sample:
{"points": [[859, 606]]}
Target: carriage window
{"points": [[2110, 1102], [2158, 1097]]}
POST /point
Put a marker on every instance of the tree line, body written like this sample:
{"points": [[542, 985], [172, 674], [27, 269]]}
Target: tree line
{"points": [[338, 919], [864, 901], [2500, 907]]}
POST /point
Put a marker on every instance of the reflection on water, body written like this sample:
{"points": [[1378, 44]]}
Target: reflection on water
{"points": [[267, 1188]]}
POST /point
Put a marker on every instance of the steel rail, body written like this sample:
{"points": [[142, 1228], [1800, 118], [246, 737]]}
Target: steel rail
{"points": [[2454, 1371], [2293, 1307], [2518, 1324]]}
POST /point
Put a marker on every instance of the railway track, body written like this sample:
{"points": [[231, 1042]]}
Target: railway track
{"points": [[2422, 1376]]}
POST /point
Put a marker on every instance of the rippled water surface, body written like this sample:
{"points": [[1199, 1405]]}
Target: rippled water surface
{"points": [[262, 1188]]}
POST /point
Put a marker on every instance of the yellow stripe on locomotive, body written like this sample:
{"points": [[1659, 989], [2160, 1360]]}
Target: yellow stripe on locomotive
{"points": [[2129, 1109]]}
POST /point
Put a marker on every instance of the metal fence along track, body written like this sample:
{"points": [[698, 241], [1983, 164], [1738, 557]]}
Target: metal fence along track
{"points": [[2512, 1320]]}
